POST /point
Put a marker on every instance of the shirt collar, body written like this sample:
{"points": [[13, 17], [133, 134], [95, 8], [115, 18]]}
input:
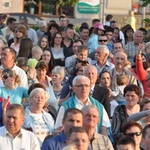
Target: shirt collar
{"points": [[79, 102]]}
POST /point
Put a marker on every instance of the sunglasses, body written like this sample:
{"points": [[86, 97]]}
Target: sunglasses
{"points": [[102, 40], [5, 76], [135, 133]]}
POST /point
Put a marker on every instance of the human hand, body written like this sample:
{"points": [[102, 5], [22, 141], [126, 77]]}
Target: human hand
{"points": [[78, 65], [140, 48], [58, 130], [32, 73], [6, 103]]}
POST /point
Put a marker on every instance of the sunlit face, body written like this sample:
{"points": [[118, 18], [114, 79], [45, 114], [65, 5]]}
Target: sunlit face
{"points": [[120, 60], [41, 72], [72, 120], [38, 100], [46, 56], [100, 56], [56, 78], [58, 39], [81, 140], [7, 79], [6, 57], [129, 33], [136, 138], [44, 42], [84, 34], [131, 98], [91, 73], [138, 37], [75, 47], [19, 34], [82, 88], [105, 80], [82, 55], [91, 118], [117, 47], [63, 22], [14, 121], [102, 40]]}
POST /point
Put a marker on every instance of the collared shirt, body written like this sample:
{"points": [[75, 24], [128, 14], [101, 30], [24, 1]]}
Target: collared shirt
{"points": [[101, 142], [57, 142], [24, 140], [107, 66], [131, 50], [79, 105]]}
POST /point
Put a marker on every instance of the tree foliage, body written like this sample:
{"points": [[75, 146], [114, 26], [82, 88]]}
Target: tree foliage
{"points": [[61, 2], [145, 3]]}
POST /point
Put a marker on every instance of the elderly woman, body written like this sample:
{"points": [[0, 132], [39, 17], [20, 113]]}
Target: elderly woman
{"points": [[58, 74], [37, 120], [12, 87], [133, 130], [41, 77], [132, 94]]}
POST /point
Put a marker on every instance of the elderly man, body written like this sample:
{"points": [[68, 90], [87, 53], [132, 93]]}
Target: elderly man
{"points": [[120, 60], [101, 62], [81, 89], [12, 136], [72, 117], [99, 93], [131, 48], [8, 56], [90, 121]]}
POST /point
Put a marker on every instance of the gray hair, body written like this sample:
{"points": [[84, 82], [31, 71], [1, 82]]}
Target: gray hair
{"points": [[137, 31], [59, 70], [87, 107], [42, 23], [104, 48], [37, 90], [146, 46], [79, 77], [88, 67]]}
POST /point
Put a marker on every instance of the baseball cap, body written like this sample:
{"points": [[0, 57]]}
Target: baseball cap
{"points": [[99, 25]]}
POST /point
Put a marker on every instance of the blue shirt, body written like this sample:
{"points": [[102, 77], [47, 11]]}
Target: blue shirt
{"points": [[16, 95], [57, 142]]}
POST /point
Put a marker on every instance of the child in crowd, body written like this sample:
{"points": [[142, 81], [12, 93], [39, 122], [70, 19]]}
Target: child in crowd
{"points": [[82, 58], [122, 81], [36, 56]]}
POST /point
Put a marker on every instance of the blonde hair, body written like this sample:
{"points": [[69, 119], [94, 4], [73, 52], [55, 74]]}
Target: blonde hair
{"points": [[122, 79], [59, 70], [35, 50], [12, 73]]}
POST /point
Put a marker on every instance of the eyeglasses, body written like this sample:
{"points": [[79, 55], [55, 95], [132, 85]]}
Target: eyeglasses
{"points": [[5, 76], [102, 40], [82, 85], [135, 133]]}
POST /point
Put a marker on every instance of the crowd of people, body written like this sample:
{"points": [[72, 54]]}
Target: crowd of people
{"points": [[62, 89]]}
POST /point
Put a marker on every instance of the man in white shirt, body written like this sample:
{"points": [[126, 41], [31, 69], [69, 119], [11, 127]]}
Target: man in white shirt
{"points": [[12, 137], [8, 56]]}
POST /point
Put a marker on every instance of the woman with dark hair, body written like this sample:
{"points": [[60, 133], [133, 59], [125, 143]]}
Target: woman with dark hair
{"points": [[134, 130], [128, 34], [57, 49], [116, 35], [132, 94], [47, 56], [43, 42], [25, 48]]}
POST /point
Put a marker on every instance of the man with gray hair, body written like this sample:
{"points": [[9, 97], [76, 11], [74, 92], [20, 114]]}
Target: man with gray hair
{"points": [[80, 98], [90, 121], [42, 28], [101, 62]]}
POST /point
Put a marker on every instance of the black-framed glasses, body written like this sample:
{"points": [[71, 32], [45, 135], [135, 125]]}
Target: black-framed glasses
{"points": [[135, 133], [102, 40], [5, 76]]}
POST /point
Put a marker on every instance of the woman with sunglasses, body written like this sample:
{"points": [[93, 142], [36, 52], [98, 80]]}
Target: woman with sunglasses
{"points": [[132, 94], [12, 87], [134, 130]]}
